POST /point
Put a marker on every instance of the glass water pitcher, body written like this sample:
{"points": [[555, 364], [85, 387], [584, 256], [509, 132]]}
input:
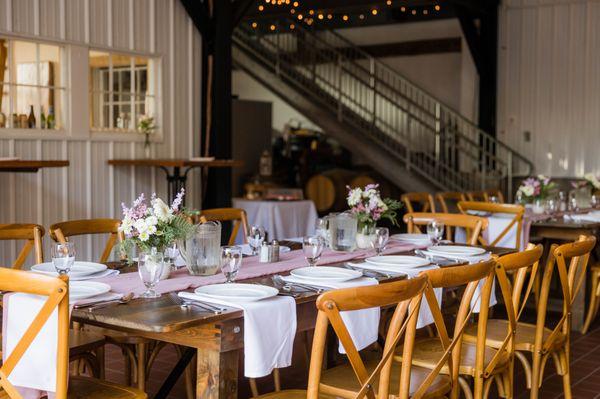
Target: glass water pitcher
{"points": [[201, 251], [342, 231]]}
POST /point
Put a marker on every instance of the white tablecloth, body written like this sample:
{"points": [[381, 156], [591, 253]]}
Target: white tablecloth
{"points": [[281, 219]]}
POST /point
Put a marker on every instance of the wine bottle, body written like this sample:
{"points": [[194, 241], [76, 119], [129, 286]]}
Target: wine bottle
{"points": [[50, 120], [31, 118], [43, 119]]}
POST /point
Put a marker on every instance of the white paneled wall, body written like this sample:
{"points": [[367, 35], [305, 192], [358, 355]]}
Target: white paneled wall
{"points": [[549, 83], [89, 187]]}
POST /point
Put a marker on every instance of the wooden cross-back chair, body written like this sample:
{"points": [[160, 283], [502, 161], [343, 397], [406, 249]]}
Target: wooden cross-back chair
{"points": [[379, 377], [518, 266], [57, 292], [569, 261], [482, 364], [60, 232], [485, 195], [516, 222], [31, 233], [446, 198], [235, 215], [473, 225], [423, 199]]}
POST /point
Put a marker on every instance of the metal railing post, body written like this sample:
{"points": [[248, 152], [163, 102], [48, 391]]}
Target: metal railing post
{"points": [[372, 82], [339, 88], [437, 132]]}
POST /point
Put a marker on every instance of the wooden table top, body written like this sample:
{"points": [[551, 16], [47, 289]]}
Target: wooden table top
{"points": [[566, 224], [176, 163], [18, 165], [165, 314]]}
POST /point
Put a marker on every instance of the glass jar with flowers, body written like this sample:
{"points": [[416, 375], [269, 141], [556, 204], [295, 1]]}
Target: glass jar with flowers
{"points": [[152, 228], [147, 127], [369, 208], [585, 189], [534, 191]]}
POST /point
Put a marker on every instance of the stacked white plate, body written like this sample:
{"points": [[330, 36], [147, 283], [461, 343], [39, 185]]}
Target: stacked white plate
{"points": [[79, 271], [416, 239], [455, 251], [237, 292], [86, 289], [394, 263], [325, 274]]}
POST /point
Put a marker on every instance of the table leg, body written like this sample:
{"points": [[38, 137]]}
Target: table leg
{"points": [[217, 374]]}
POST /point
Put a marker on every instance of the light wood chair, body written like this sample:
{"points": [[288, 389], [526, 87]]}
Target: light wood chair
{"points": [[570, 262], [57, 291], [60, 232], [425, 200], [518, 266], [517, 221], [446, 198], [473, 225], [31, 233], [235, 215], [485, 195], [594, 305], [482, 364], [379, 377]]}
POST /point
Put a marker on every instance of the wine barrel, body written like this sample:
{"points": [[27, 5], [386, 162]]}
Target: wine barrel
{"points": [[361, 181], [320, 190], [329, 189]]}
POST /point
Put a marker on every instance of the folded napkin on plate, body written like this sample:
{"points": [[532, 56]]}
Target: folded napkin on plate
{"points": [[269, 331], [36, 371], [593, 216], [105, 273], [361, 324], [425, 316]]}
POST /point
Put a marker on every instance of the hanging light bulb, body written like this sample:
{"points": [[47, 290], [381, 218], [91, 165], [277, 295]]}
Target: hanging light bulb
{"points": [[254, 25], [272, 27], [437, 7], [374, 11], [320, 16], [261, 7], [345, 17]]}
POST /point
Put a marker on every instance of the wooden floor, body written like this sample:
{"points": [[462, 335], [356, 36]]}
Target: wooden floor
{"points": [[585, 365]]}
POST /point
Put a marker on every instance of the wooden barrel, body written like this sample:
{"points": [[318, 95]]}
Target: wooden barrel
{"points": [[361, 181], [321, 190]]}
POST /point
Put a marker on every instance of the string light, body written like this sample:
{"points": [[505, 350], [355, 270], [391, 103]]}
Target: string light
{"points": [[292, 11], [425, 12], [437, 7], [261, 7], [320, 16], [254, 25], [414, 12], [329, 16], [374, 11], [295, 4], [300, 17], [292, 26], [361, 16], [403, 9], [388, 2], [345, 17], [311, 12], [272, 27]]}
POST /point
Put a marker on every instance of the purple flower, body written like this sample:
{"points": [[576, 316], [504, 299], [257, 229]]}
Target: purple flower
{"points": [[178, 200]]}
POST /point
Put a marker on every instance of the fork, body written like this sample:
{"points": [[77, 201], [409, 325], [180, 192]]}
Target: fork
{"points": [[184, 303], [287, 286]]}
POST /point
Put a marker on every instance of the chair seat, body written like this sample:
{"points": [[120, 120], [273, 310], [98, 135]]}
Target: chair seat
{"points": [[524, 339], [91, 388], [341, 381], [84, 341], [428, 351]]}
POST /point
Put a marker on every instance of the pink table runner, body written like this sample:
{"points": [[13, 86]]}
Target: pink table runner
{"points": [[251, 268]]}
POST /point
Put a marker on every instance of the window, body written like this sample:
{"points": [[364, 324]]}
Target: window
{"points": [[122, 88], [32, 85]]}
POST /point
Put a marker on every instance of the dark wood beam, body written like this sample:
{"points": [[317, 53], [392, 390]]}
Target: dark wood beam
{"points": [[198, 12], [471, 34], [240, 8]]}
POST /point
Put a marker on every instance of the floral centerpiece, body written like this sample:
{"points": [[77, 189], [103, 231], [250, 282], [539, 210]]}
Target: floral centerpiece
{"points": [[534, 190], [369, 208], [147, 127], [589, 181], [154, 226]]}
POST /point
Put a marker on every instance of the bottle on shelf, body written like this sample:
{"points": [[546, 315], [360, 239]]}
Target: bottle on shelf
{"points": [[2, 120], [50, 119], [42, 119], [31, 118]]}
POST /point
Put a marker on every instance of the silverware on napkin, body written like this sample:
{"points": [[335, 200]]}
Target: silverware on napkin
{"points": [[186, 303], [289, 286], [102, 304]]}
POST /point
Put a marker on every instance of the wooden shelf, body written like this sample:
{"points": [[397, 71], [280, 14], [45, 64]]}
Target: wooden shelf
{"points": [[30, 166]]}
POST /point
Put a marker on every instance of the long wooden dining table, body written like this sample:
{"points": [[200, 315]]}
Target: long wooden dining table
{"points": [[217, 339]]}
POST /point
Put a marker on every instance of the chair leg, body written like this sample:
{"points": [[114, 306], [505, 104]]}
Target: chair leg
{"points": [[498, 379], [277, 380], [126, 367], [594, 303], [526, 367], [567, 375], [100, 357], [466, 389], [487, 384], [140, 349], [253, 387]]}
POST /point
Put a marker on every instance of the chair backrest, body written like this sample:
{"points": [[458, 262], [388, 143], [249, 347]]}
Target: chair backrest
{"points": [[60, 232], [449, 197], [570, 261], [485, 195], [56, 289], [406, 295], [516, 222], [469, 276], [235, 215], [423, 199], [473, 225], [31, 233]]}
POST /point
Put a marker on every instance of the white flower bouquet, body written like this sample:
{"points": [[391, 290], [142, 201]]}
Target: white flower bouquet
{"points": [[157, 225], [369, 207]]}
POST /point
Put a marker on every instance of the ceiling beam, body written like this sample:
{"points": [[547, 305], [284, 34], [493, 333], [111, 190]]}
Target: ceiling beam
{"points": [[198, 12]]}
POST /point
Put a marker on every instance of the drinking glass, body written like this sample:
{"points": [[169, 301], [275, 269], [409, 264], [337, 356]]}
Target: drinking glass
{"points": [[435, 231], [231, 261], [594, 201], [322, 229], [573, 205], [493, 199], [382, 235], [551, 206], [256, 236], [150, 268], [312, 246], [63, 257]]}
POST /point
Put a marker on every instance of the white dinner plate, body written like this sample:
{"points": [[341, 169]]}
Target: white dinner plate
{"points": [[79, 269], [237, 292], [400, 261], [455, 250], [86, 289], [412, 238], [326, 274]]}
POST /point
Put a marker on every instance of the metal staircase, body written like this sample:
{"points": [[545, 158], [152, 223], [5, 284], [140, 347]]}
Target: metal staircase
{"points": [[411, 137]]}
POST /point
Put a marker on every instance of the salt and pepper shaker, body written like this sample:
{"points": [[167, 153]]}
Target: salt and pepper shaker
{"points": [[264, 253], [274, 251]]}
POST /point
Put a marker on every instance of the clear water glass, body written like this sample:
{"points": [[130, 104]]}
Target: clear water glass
{"points": [[493, 199], [256, 236], [63, 257], [342, 231], [312, 246], [322, 229], [573, 205], [231, 261], [150, 268], [435, 231], [551, 206], [594, 201], [382, 235]]}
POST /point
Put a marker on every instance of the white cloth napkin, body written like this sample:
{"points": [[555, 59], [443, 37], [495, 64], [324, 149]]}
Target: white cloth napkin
{"points": [[593, 216], [102, 274], [361, 324], [269, 331], [425, 316]]}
